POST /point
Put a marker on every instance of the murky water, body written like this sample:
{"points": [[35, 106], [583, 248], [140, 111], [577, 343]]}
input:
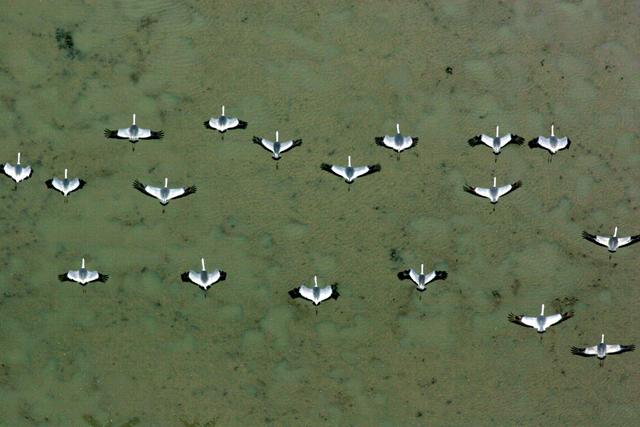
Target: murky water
{"points": [[146, 349]]}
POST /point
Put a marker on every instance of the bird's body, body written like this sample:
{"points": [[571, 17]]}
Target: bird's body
{"points": [[133, 133], [612, 243], [83, 276], [276, 148], [496, 143], [65, 185], [224, 123], [350, 173], [17, 172], [540, 323], [203, 279], [164, 194], [421, 279], [494, 192], [315, 294], [397, 142], [552, 144], [601, 350]]}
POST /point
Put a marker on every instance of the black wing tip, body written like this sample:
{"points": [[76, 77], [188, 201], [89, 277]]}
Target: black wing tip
{"points": [[469, 189], [108, 133], [516, 184], [326, 167], [297, 142], [579, 352], [404, 275], [63, 277], [242, 124], [415, 139], [476, 140], [630, 347], [442, 275], [375, 168], [257, 140], [138, 185], [379, 140], [207, 125], [190, 190], [334, 292], [517, 139], [223, 275], [588, 236], [49, 183], [102, 277], [157, 134], [294, 293], [515, 318], [185, 277], [567, 315], [534, 143]]}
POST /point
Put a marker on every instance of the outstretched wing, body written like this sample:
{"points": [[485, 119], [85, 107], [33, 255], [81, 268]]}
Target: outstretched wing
{"points": [[599, 240], [557, 318]]}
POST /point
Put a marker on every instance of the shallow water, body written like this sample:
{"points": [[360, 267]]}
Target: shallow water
{"points": [[146, 349]]}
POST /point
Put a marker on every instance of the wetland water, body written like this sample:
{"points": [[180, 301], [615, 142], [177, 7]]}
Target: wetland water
{"points": [[146, 349]]}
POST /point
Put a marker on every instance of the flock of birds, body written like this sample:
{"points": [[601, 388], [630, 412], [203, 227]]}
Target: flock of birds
{"points": [[317, 294]]}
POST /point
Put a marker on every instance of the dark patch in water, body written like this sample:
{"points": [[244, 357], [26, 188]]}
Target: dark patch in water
{"points": [[65, 42]]}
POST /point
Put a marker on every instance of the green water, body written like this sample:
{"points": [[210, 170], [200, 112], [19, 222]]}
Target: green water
{"points": [[146, 349]]}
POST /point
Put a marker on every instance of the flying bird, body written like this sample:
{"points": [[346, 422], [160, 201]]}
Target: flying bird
{"points": [[601, 350], [494, 192], [496, 143], [421, 280], [612, 243], [224, 123], [316, 294], [276, 148], [552, 144], [83, 276], [539, 323], [164, 194], [203, 279], [17, 172], [65, 186], [350, 173], [397, 142], [133, 133]]}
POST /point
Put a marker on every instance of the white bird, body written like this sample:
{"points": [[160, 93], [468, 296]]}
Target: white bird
{"points": [[203, 278], [65, 186], [276, 148], [540, 323], [496, 143], [83, 276], [420, 279], [552, 144], [601, 350], [17, 172], [612, 243], [494, 192], [315, 294], [133, 133], [164, 194], [397, 142], [224, 123], [348, 172]]}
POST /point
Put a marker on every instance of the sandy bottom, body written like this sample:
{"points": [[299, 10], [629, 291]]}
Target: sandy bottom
{"points": [[146, 349]]}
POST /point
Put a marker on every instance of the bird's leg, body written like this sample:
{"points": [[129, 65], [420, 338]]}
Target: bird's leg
{"points": [[397, 155], [276, 165], [601, 363], [162, 210], [15, 186], [348, 187], [133, 148], [66, 199], [316, 310]]}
